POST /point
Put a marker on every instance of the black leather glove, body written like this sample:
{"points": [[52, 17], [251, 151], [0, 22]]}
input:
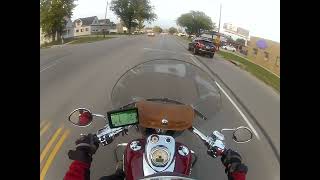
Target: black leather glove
{"points": [[86, 146], [232, 161]]}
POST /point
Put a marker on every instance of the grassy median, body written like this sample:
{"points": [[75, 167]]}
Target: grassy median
{"points": [[254, 69], [89, 39]]}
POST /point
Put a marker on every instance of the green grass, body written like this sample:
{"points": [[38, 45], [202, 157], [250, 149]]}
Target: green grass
{"points": [[254, 69], [89, 39], [46, 45]]}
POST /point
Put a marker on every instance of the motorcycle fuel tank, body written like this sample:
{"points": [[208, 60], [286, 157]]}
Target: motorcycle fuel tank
{"points": [[134, 154]]}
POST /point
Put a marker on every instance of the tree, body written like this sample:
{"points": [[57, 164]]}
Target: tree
{"points": [[173, 30], [241, 42], [52, 14], [229, 40], [133, 12], [157, 29], [195, 21], [144, 13]]}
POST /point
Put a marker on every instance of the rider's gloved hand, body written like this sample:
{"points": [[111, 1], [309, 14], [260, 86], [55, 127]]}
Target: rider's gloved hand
{"points": [[86, 146], [232, 161]]}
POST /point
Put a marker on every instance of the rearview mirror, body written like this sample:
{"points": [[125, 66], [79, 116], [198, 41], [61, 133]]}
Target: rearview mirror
{"points": [[80, 117], [242, 135]]}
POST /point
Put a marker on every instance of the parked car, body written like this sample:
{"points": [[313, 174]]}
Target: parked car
{"points": [[202, 46], [229, 48], [150, 34]]}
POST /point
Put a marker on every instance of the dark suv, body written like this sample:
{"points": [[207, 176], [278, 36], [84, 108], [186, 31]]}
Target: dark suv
{"points": [[202, 46]]}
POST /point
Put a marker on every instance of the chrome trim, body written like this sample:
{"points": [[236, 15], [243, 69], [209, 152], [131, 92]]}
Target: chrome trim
{"points": [[135, 145], [77, 109], [154, 139], [164, 122], [101, 116], [243, 127], [200, 134], [235, 129], [219, 135], [183, 150], [148, 167]]}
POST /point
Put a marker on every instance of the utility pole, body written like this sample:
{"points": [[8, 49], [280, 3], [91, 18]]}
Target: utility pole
{"points": [[219, 18], [105, 18], [218, 37]]}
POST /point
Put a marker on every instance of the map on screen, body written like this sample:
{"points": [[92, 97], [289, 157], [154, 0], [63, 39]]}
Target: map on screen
{"points": [[123, 118]]}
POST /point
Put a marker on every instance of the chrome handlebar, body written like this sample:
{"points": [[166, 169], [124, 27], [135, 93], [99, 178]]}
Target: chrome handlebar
{"points": [[106, 134], [214, 141]]}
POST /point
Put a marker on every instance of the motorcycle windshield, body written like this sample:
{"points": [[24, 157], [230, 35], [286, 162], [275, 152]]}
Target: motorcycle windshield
{"points": [[172, 79]]}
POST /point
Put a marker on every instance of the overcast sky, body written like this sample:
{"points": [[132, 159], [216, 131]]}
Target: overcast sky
{"points": [[260, 17]]}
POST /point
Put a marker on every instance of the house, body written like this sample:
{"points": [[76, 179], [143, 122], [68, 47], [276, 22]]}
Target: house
{"points": [[68, 32], [85, 26], [105, 25], [122, 29]]}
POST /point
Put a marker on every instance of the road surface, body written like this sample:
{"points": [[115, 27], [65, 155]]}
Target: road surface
{"points": [[83, 76]]}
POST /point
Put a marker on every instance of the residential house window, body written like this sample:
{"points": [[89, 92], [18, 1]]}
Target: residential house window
{"points": [[278, 61], [255, 51], [77, 30], [87, 29], [266, 56], [81, 30]]}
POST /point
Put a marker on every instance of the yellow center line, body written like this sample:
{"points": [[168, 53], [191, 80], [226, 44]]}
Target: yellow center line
{"points": [[53, 154], [43, 123], [48, 146], [45, 128]]}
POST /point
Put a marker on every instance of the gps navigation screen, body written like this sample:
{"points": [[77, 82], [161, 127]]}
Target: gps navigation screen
{"points": [[123, 118]]}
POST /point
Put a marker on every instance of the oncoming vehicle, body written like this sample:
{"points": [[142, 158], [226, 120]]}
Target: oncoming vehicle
{"points": [[142, 101], [151, 34], [202, 46]]}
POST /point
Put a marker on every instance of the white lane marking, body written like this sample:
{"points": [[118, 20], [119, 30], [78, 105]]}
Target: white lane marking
{"points": [[49, 66], [241, 113], [195, 61]]}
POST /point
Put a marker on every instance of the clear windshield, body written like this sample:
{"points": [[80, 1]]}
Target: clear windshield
{"points": [[173, 79]]}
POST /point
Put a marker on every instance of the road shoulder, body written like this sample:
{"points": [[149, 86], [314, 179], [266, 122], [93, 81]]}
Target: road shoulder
{"points": [[260, 101]]}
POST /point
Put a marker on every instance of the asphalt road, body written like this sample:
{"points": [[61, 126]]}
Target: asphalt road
{"points": [[83, 76]]}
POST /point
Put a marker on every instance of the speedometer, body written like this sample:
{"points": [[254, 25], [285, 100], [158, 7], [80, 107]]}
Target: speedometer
{"points": [[159, 156]]}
